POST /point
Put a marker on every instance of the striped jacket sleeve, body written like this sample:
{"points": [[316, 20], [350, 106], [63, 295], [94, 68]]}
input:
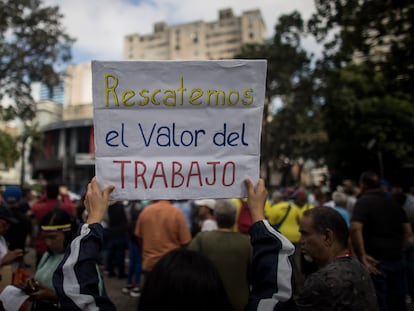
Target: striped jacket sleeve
{"points": [[272, 271], [77, 279]]}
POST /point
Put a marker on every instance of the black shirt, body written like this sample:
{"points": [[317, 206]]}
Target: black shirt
{"points": [[382, 223]]}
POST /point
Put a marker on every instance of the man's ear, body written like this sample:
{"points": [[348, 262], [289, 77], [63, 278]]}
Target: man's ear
{"points": [[329, 237]]}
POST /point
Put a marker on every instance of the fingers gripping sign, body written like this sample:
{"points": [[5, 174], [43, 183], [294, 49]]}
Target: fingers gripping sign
{"points": [[96, 201]]}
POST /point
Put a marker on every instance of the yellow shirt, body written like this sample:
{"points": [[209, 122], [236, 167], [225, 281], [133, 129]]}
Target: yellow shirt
{"points": [[290, 226]]}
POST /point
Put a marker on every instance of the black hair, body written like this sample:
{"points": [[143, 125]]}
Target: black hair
{"points": [[184, 280], [52, 190], [328, 218], [370, 180], [56, 217]]}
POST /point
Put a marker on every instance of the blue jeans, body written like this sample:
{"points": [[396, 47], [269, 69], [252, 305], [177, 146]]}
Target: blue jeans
{"points": [[135, 262], [390, 285]]}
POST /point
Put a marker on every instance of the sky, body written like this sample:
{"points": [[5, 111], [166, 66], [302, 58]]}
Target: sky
{"points": [[99, 26]]}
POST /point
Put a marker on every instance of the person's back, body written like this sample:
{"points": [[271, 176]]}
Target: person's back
{"points": [[17, 233], [161, 227], [382, 220], [379, 229], [116, 239], [229, 251], [49, 201], [285, 217], [45, 205]]}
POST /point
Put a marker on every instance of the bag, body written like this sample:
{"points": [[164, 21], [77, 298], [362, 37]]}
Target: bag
{"points": [[20, 276], [245, 219]]}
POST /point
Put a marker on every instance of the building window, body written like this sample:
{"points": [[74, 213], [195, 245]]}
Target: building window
{"points": [[177, 47], [194, 37], [251, 35]]}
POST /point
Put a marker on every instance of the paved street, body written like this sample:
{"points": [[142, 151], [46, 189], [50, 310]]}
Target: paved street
{"points": [[123, 302]]}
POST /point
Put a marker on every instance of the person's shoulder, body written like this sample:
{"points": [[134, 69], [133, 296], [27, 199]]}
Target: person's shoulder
{"points": [[372, 195], [39, 204], [280, 204], [343, 268], [315, 287]]}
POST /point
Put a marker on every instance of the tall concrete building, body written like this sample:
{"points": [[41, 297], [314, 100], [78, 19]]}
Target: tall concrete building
{"points": [[68, 156], [78, 92], [219, 39]]}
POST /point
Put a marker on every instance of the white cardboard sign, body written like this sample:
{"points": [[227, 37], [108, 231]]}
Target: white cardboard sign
{"points": [[178, 129]]}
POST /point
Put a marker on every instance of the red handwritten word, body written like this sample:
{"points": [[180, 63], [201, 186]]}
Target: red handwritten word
{"points": [[174, 174]]}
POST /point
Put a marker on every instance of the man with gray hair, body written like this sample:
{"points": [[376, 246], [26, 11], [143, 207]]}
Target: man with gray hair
{"points": [[340, 200], [229, 251]]}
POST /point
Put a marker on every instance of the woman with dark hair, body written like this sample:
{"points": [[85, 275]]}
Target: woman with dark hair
{"points": [[57, 231], [184, 280]]}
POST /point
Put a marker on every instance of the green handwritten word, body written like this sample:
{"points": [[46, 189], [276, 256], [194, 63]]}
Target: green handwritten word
{"points": [[172, 97]]}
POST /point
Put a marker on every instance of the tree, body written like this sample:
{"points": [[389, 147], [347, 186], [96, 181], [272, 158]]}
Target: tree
{"points": [[33, 45], [365, 83], [8, 152], [295, 130]]}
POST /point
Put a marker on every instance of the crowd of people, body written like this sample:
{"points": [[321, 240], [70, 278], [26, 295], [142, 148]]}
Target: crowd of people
{"points": [[347, 248]]}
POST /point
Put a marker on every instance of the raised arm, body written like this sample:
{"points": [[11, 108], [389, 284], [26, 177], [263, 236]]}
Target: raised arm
{"points": [[272, 272], [77, 280]]}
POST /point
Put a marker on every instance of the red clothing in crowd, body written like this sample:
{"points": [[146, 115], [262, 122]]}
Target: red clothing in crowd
{"points": [[44, 205]]}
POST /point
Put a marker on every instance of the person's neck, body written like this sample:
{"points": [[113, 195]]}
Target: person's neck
{"points": [[336, 252], [344, 253]]}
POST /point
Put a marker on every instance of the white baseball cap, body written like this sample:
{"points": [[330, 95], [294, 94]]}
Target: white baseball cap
{"points": [[210, 203]]}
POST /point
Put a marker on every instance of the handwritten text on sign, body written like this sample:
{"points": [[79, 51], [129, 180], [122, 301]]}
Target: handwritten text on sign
{"points": [[178, 129]]}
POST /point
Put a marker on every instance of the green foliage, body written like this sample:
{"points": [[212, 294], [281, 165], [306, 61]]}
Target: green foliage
{"points": [[296, 129], [366, 77], [32, 44], [8, 152], [355, 106]]}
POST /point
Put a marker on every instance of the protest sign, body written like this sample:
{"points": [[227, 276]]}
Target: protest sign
{"points": [[178, 129]]}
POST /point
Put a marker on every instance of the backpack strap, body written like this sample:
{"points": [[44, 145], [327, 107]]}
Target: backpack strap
{"points": [[284, 217]]}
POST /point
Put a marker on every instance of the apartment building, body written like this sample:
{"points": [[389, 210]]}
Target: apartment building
{"points": [[219, 39], [68, 156]]}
